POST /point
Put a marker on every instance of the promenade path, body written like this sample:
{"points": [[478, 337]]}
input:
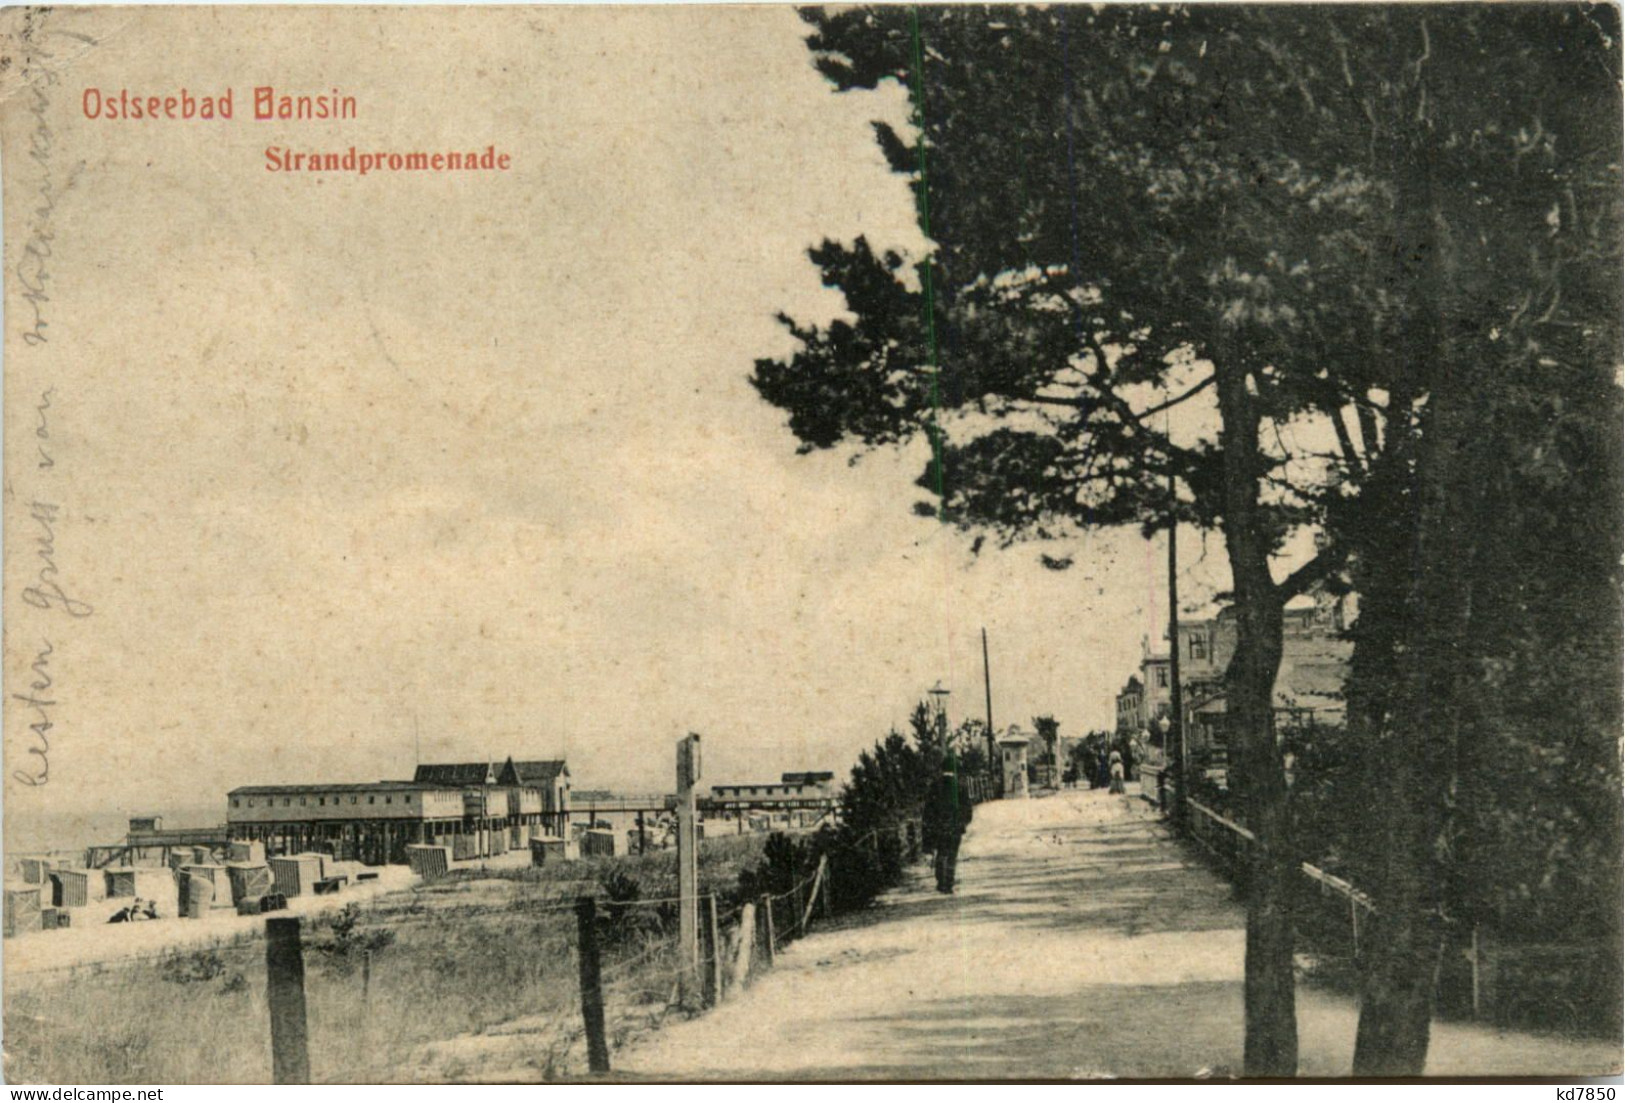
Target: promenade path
{"points": [[1083, 942]]}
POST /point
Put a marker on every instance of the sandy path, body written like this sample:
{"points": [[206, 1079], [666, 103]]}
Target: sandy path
{"points": [[1083, 942]]}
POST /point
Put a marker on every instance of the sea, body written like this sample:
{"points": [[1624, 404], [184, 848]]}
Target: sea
{"points": [[42, 832]]}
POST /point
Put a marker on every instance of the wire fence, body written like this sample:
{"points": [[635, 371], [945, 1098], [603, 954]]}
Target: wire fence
{"points": [[452, 978], [490, 973]]}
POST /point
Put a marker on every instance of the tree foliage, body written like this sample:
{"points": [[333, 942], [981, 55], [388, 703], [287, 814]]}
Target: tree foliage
{"points": [[1358, 218]]}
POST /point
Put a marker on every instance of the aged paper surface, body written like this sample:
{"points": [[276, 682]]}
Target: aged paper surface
{"points": [[419, 421]]}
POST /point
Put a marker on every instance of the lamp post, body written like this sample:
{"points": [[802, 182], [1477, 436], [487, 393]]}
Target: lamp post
{"points": [[1174, 738], [939, 702]]}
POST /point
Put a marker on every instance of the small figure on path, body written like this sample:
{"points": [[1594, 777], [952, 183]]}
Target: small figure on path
{"points": [[1117, 772], [946, 816]]}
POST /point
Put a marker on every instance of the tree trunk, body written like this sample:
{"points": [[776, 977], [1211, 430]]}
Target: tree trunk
{"points": [[1418, 752], [1271, 1048], [1427, 630], [1398, 981], [1400, 960], [1271, 1000], [1400, 955]]}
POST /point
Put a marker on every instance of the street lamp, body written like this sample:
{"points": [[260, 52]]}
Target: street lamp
{"points": [[939, 700], [1174, 757]]}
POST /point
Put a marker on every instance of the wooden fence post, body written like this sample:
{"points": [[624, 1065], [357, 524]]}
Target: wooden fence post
{"points": [[771, 952], [829, 875], [747, 939], [592, 990], [1484, 976], [366, 976], [711, 973], [285, 997], [812, 897]]}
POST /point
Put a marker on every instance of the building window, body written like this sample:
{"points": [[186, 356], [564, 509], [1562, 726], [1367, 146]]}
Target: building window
{"points": [[251, 802], [286, 801], [352, 800], [1162, 677], [301, 802], [234, 803], [372, 800], [408, 798], [1198, 647], [322, 801], [389, 800]]}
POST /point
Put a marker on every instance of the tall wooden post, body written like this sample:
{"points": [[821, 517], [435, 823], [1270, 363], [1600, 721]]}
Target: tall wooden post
{"points": [[285, 998], [592, 988], [688, 870]]}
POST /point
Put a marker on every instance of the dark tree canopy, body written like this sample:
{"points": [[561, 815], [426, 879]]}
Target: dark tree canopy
{"points": [[1108, 189], [1401, 221]]}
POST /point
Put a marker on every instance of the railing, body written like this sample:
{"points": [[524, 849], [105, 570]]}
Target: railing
{"points": [[1333, 915], [1333, 912]]}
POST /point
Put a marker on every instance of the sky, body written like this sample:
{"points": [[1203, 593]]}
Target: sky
{"points": [[372, 470]]}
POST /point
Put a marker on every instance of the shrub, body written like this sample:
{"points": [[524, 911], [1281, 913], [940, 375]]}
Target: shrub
{"points": [[193, 968], [881, 809], [342, 942], [623, 916]]}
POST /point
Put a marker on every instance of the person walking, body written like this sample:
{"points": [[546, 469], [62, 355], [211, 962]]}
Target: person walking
{"points": [[945, 819], [1117, 772]]}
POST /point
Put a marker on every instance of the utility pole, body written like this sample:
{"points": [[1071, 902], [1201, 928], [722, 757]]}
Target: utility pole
{"points": [[1175, 737], [987, 685]]}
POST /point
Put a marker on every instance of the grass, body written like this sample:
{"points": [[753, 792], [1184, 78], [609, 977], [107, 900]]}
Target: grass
{"points": [[453, 959]]}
